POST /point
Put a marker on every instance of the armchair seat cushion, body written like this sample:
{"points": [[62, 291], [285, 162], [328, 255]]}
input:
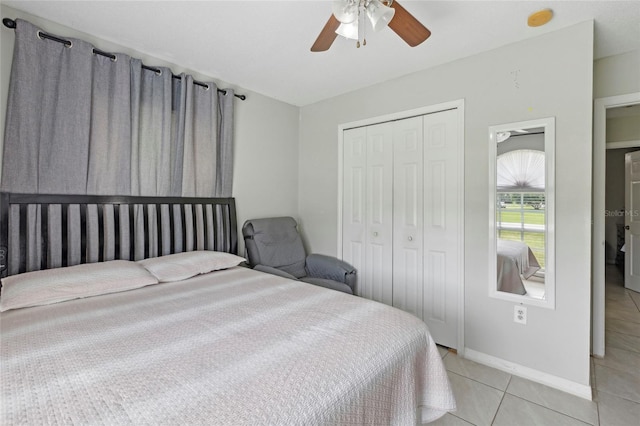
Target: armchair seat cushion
{"points": [[334, 285], [274, 271]]}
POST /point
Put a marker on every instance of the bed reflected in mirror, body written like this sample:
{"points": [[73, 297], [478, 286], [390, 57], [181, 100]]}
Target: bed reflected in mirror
{"points": [[521, 208]]}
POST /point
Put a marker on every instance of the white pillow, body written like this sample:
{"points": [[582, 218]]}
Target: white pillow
{"points": [[180, 266], [72, 282]]}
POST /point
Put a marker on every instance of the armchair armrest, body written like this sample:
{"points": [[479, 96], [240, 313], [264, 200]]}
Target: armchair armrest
{"points": [[331, 268], [274, 271]]}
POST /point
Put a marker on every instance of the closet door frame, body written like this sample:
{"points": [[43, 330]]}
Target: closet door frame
{"points": [[457, 104]]}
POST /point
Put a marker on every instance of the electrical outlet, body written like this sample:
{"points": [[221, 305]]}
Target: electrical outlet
{"points": [[520, 314]]}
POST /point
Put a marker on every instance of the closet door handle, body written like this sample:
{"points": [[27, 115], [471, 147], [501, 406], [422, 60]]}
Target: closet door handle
{"points": [[375, 234], [627, 227], [410, 238]]}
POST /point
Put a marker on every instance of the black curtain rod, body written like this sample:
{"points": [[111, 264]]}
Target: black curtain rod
{"points": [[10, 23]]}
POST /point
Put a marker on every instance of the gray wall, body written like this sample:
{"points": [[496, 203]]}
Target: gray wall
{"points": [[266, 130], [550, 75]]}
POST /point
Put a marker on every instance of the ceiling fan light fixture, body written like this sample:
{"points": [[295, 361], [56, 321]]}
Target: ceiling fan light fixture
{"points": [[503, 136], [345, 11], [379, 14], [349, 30], [382, 13]]}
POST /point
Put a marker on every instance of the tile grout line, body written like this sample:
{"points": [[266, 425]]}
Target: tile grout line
{"points": [[617, 349], [554, 410], [493, 419], [633, 300], [594, 389], [622, 349], [482, 383], [502, 399], [608, 330], [623, 306], [457, 417], [504, 392], [477, 381], [618, 396]]}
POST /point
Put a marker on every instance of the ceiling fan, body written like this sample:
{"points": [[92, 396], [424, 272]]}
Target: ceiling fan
{"points": [[348, 20]]}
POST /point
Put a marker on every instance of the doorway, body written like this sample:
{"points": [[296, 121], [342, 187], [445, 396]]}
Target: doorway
{"points": [[601, 107], [617, 211]]}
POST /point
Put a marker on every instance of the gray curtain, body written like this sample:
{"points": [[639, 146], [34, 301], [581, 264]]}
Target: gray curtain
{"points": [[82, 123]]}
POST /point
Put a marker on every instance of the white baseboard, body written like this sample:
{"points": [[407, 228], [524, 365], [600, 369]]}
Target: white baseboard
{"points": [[547, 379]]}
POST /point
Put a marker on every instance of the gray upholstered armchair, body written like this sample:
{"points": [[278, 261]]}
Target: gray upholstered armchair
{"points": [[275, 246]]}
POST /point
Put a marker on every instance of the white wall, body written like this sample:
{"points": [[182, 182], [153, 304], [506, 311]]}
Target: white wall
{"points": [[265, 174], [266, 130], [617, 75], [550, 75], [620, 129]]}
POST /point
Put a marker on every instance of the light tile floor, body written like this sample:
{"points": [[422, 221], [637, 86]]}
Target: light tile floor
{"points": [[487, 396]]}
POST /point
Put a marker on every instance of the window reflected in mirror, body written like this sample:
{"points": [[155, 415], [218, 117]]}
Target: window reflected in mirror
{"points": [[521, 189], [520, 218]]}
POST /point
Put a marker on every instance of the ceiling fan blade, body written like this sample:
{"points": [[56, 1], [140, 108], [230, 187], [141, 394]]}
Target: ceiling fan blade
{"points": [[327, 35], [407, 27]]}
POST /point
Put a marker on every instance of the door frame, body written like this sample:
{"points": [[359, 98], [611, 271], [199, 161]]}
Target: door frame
{"points": [[598, 232], [430, 109]]}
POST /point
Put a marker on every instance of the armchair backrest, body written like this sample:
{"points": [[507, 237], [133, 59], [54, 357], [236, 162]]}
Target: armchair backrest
{"points": [[275, 242]]}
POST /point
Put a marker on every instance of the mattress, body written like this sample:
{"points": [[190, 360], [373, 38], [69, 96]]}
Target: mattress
{"points": [[521, 254], [514, 261], [232, 347]]}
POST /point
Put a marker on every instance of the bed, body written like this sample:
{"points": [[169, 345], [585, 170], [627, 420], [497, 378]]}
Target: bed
{"points": [[515, 261], [205, 341]]}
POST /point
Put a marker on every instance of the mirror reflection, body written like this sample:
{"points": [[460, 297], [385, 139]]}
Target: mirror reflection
{"points": [[521, 207], [521, 211]]}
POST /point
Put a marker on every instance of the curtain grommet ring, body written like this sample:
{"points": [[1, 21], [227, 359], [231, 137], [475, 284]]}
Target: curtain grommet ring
{"points": [[207, 87], [42, 36], [114, 58], [159, 72]]}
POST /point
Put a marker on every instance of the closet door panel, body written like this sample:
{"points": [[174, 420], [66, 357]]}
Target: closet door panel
{"points": [[407, 215], [377, 283], [441, 226], [353, 203], [436, 276]]}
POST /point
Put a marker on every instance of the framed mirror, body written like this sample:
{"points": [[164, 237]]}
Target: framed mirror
{"points": [[521, 212]]}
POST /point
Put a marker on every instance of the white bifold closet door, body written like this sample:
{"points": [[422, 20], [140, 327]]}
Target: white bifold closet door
{"points": [[408, 234], [443, 270], [400, 216], [368, 214]]}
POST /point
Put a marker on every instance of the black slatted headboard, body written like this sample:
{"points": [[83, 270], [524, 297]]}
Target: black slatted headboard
{"points": [[43, 231]]}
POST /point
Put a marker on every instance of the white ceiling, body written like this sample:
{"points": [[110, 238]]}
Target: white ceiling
{"points": [[263, 46]]}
